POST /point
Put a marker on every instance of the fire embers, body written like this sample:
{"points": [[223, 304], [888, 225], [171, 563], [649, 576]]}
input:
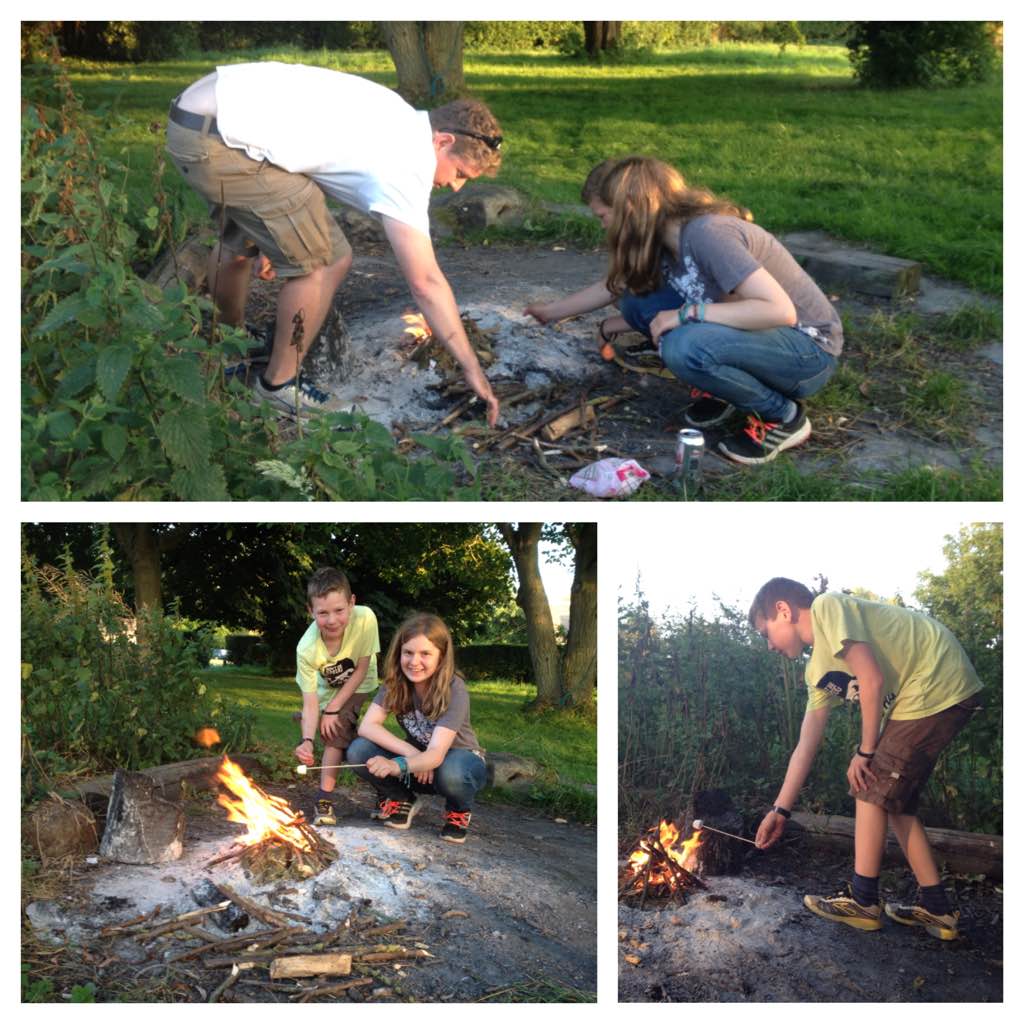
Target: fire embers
{"points": [[278, 843], [659, 866]]}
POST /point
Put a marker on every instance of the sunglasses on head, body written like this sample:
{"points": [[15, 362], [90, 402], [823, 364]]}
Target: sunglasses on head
{"points": [[491, 141]]}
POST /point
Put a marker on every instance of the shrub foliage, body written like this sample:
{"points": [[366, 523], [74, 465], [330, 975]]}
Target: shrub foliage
{"points": [[103, 688], [482, 662]]}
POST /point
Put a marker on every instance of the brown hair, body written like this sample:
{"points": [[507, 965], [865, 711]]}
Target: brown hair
{"points": [[595, 179], [796, 595], [398, 689], [470, 116], [326, 580], [644, 193]]}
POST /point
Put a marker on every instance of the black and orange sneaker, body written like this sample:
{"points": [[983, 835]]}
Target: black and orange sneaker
{"points": [[706, 410], [398, 813], [846, 910], [942, 926], [456, 826], [760, 441]]}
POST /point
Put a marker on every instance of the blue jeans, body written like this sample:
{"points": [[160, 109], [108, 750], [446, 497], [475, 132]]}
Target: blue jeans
{"points": [[757, 371], [458, 778], [639, 310]]}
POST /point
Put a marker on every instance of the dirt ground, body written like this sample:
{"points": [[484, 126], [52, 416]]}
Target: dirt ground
{"points": [[520, 896], [748, 938], [493, 284]]}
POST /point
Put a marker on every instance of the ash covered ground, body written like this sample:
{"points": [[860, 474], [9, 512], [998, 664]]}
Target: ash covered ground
{"points": [[749, 939], [524, 888]]}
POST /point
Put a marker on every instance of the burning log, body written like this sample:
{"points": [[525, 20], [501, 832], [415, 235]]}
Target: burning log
{"points": [[142, 828], [659, 869], [278, 843]]}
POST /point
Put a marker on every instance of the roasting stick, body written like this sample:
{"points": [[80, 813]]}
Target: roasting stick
{"points": [[698, 824], [301, 769]]}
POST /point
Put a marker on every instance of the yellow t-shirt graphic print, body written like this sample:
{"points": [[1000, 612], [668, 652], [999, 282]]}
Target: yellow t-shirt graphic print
{"points": [[924, 668]]}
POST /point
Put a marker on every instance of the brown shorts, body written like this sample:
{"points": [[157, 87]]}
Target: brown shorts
{"points": [[348, 723], [906, 754], [284, 215]]}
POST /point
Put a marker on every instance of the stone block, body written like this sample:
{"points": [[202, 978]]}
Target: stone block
{"points": [[836, 266], [476, 206]]}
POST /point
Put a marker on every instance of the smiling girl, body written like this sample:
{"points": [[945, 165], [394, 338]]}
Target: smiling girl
{"points": [[440, 752]]}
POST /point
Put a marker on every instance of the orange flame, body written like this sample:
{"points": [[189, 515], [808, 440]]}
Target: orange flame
{"points": [[417, 327], [668, 837], [262, 814], [207, 736]]}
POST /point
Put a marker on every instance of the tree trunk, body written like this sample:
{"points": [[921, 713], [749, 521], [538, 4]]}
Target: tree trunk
{"points": [[428, 59], [967, 852], [579, 666], [601, 35], [140, 543], [523, 542]]}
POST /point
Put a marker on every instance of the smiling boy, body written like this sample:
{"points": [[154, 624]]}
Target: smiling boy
{"points": [[897, 664], [336, 668]]}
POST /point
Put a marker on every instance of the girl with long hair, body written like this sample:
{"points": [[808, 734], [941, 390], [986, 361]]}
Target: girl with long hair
{"points": [[440, 752], [737, 317]]}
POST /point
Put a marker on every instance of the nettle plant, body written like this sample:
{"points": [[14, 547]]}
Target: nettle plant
{"points": [[123, 396]]}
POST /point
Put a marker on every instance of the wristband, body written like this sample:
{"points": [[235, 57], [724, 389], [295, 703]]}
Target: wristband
{"points": [[860, 753], [306, 739], [700, 312], [338, 712], [782, 810], [604, 337], [403, 768]]}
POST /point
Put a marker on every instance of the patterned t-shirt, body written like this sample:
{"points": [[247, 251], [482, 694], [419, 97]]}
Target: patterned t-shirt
{"points": [[717, 253], [924, 668], [419, 729], [324, 673]]}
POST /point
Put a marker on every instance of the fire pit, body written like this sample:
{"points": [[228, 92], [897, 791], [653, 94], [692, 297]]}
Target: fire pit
{"points": [[658, 867], [278, 843]]}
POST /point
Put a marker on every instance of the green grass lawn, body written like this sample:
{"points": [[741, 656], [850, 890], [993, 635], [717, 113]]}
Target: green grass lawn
{"points": [[566, 745], [914, 173]]}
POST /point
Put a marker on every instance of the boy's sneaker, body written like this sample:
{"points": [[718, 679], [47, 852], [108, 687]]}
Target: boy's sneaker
{"points": [[942, 926], [456, 826], [398, 813], [846, 910], [311, 399], [325, 813], [761, 441], [706, 410]]}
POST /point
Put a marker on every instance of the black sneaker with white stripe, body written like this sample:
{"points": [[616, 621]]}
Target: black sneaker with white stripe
{"points": [[760, 440], [706, 410]]}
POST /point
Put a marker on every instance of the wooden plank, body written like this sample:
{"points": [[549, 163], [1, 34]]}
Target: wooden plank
{"points": [[307, 965]]}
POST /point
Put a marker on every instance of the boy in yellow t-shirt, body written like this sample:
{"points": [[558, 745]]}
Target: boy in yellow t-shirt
{"points": [[900, 665], [336, 670]]}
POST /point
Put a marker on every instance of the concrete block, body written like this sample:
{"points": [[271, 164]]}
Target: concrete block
{"points": [[837, 266]]}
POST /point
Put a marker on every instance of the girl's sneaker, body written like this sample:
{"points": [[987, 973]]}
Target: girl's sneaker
{"points": [[398, 813], [706, 410], [942, 926], [456, 826], [760, 441]]}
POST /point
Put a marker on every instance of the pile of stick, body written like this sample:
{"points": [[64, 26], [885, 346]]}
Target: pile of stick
{"points": [[287, 957], [660, 879], [274, 858]]}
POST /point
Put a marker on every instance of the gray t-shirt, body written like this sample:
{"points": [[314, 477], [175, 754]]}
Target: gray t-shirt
{"points": [[718, 252], [419, 729]]}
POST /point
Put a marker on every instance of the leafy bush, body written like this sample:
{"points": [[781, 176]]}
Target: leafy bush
{"points": [[246, 649], [123, 396], [102, 688], [481, 662], [930, 54], [515, 35]]}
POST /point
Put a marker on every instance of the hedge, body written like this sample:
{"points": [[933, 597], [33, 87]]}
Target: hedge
{"points": [[483, 662]]}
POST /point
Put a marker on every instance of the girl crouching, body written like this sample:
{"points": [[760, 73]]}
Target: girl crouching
{"points": [[440, 752]]}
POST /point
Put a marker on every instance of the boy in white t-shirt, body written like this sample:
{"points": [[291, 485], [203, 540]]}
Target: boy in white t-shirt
{"points": [[336, 669], [263, 142]]}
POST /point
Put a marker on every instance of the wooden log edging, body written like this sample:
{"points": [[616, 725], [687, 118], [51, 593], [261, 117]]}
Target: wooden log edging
{"points": [[972, 853]]}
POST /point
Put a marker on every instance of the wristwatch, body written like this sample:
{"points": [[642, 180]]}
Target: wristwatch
{"points": [[782, 810]]}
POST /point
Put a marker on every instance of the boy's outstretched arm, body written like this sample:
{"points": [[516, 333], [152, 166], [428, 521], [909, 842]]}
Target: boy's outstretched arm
{"points": [[594, 296], [310, 717], [865, 669], [811, 732]]}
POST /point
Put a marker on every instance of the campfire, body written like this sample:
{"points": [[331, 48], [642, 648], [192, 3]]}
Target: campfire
{"points": [[659, 866], [278, 843]]}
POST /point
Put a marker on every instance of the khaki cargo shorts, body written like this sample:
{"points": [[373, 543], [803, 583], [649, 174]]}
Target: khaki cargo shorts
{"points": [[906, 754], [284, 215]]}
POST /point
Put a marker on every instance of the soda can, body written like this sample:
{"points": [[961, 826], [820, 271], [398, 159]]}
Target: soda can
{"points": [[689, 459]]}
